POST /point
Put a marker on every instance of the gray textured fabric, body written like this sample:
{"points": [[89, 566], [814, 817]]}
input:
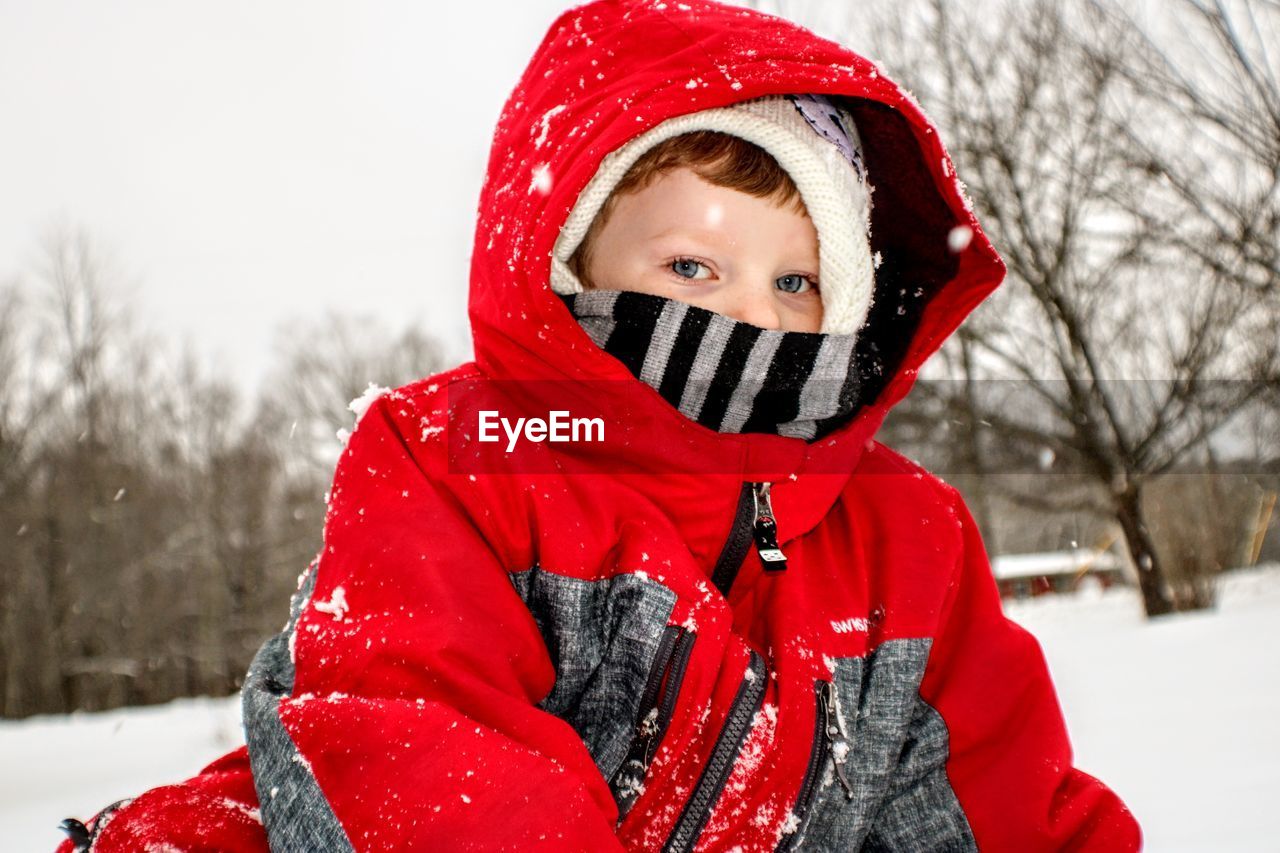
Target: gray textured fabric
{"points": [[926, 816], [896, 763], [920, 802], [295, 813], [602, 637]]}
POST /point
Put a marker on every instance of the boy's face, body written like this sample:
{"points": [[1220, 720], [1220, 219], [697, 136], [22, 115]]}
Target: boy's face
{"points": [[684, 238]]}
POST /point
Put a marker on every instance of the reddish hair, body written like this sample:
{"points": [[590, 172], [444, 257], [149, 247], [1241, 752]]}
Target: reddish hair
{"points": [[718, 158]]}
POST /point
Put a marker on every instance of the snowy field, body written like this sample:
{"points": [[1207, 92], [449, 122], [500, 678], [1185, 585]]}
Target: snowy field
{"points": [[1180, 717]]}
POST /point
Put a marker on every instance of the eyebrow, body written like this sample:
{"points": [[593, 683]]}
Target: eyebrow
{"points": [[708, 234], [716, 238]]}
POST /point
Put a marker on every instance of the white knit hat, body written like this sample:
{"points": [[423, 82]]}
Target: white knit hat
{"points": [[818, 146]]}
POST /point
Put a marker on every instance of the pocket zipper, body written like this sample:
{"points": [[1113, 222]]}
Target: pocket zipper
{"points": [[657, 704], [828, 738], [829, 699]]}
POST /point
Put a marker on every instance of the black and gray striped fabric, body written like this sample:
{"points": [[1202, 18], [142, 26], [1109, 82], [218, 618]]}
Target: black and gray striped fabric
{"points": [[725, 374]]}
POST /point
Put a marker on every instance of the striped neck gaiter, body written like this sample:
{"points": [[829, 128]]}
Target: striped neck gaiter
{"points": [[727, 375]]}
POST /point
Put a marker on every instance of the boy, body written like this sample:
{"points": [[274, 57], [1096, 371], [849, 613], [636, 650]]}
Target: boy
{"points": [[735, 622]]}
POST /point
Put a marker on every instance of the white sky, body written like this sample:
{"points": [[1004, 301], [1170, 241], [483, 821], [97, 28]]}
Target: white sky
{"points": [[246, 162], [249, 162]]}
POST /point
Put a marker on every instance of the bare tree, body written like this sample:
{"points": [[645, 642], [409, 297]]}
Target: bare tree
{"points": [[1128, 349], [1212, 72], [325, 364], [152, 526]]}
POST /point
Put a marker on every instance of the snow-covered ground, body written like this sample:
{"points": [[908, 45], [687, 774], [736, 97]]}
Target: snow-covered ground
{"points": [[73, 765], [1180, 717]]}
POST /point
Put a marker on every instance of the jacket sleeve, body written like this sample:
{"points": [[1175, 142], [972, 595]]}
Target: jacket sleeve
{"points": [[988, 762], [216, 809], [397, 709]]}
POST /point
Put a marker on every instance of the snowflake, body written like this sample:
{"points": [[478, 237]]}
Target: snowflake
{"points": [[958, 238], [541, 179]]}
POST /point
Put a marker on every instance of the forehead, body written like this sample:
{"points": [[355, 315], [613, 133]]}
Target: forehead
{"points": [[681, 201]]}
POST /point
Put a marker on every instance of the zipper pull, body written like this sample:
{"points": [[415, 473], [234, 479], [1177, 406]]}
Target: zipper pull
{"points": [[77, 832], [628, 778], [765, 530], [648, 733], [835, 735]]}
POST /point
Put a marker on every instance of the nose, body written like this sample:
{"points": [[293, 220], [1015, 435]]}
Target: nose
{"points": [[755, 308]]}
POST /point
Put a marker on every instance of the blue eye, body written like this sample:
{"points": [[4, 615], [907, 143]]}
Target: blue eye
{"points": [[794, 283], [689, 268]]}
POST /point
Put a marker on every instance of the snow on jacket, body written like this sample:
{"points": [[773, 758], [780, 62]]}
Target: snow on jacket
{"points": [[578, 646]]}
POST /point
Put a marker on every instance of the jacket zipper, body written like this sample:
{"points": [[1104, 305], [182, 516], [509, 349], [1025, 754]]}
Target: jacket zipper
{"points": [[737, 723], [766, 530], [753, 520], [657, 703], [828, 737]]}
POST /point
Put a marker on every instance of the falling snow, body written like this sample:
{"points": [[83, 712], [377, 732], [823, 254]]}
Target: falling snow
{"points": [[541, 179], [959, 237]]}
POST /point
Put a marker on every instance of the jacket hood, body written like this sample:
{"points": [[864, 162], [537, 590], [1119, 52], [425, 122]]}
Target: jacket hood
{"points": [[610, 70]]}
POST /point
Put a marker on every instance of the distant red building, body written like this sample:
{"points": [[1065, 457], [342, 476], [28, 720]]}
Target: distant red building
{"points": [[1027, 575]]}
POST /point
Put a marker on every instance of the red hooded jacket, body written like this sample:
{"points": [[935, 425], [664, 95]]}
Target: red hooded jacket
{"points": [[580, 648]]}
